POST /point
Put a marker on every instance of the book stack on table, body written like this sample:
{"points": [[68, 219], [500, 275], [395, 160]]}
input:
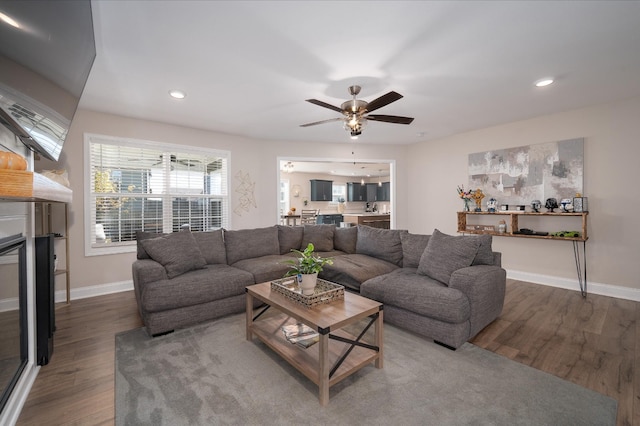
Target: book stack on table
{"points": [[300, 334]]}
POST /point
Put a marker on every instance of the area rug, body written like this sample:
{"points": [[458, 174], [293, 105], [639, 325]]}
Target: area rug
{"points": [[210, 375]]}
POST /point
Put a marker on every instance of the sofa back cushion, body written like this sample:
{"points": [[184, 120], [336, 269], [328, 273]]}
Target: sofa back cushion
{"points": [[413, 246], [321, 236], [178, 252], [445, 254], [289, 237], [249, 243], [382, 244], [345, 239], [211, 244], [485, 252]]}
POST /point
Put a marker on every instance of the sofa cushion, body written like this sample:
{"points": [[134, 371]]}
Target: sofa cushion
{"points": [[351, 270], [142, 235], [290, 237], [413, 246], [345, 239], [445, 254], [215, 282], [211, 244], [380, 243], [178, 252], [485, 252], [420, 294], [321, 236], [250, 243], [265, 268]]}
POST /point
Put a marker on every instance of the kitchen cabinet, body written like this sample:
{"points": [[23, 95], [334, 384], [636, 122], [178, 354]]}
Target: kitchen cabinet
{"points": [[321, 190], [384, 192], [374, 220], [329, 219], [372, 192], [356, 191]]}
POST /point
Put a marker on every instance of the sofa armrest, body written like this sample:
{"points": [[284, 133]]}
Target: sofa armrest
{"points": [[497, 258], [484, 286]]}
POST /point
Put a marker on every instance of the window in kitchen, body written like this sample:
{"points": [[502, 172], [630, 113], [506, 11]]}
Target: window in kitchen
{"points": [[284, 196], [339, 192], [135, 185]]}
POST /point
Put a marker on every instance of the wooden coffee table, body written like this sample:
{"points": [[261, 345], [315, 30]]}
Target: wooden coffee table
{"points": [[323, 363]]}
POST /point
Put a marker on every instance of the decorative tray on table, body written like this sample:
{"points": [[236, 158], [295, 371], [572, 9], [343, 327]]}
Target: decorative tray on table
{"points": [[325, 291]]}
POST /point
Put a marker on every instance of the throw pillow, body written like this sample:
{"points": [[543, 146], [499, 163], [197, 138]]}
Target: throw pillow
{"points": [[445, 254], [178, 252], [249, 243], [211, 244], [321, 236], [413, 246], [289, 237], [485, 252], [345, 239], [380, 243], [142, 235]]}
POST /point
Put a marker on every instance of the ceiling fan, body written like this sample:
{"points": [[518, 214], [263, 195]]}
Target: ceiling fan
{"points": [[356, 111], [173, 159]]}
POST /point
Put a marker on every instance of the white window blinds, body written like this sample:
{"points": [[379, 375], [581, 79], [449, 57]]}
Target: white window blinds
{"points": [[134, 185]]}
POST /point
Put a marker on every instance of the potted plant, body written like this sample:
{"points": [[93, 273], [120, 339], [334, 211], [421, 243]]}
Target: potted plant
{"points": [[306, 267]]}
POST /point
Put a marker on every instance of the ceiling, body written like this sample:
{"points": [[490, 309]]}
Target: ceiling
{"points": [[247, 67]]}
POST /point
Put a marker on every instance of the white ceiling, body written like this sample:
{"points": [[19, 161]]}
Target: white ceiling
{"points": [[247, 67]]}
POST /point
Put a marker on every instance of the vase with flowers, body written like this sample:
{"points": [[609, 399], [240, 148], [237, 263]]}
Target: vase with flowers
{"points": [[466, 197], [306, 268]]}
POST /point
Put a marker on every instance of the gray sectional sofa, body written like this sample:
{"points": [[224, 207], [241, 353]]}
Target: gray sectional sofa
{"points": [[443, 287]]}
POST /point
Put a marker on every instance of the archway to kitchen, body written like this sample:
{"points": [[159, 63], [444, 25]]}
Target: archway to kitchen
{"points": [[358, 188]]}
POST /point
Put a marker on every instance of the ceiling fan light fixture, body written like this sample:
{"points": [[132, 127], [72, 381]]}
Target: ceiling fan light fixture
{"points": [[544, 82]]}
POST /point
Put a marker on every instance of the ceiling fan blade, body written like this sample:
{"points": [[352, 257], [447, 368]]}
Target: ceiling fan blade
{"points": [[324, 104], [390, 119], [322, 122], [383, 100]]}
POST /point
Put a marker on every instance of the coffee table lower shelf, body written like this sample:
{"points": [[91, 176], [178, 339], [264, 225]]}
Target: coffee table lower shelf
{"points": [[338, 353]]}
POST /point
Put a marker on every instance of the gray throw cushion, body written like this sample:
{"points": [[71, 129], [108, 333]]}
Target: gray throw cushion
{"points": [[445, 254], [142, 235], [413, 246], [485, 252], [321, 236], [250, 243], [290, 237], [383, 244], [177, 252], [211, 244], [345, 239]]}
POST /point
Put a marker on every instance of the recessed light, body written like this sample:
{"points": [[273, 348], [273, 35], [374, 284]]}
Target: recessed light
{"points": [[544, 82], [177, 94]]}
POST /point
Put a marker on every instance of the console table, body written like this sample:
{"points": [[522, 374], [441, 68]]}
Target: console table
{"points": [[513, 223]]}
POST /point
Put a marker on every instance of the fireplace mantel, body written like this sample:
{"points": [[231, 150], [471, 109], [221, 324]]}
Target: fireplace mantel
{"points": [[19, 185]]}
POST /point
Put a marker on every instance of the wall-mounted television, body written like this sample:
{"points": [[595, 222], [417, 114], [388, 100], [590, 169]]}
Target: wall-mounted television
{"points": [[47, 49]]}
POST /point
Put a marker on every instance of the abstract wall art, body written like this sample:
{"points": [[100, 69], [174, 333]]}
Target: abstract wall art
{"points": [[533, 172]]}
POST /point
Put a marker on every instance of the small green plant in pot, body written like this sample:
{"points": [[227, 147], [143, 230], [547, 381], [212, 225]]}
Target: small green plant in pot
{"points": [[306, 268]]}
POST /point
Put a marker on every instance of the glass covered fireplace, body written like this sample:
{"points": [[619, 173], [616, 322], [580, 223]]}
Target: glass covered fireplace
{"points": [[13, 313]]}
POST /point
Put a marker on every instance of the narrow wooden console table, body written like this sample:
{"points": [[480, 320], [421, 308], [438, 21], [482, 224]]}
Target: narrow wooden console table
{"points": [[513, 225]]}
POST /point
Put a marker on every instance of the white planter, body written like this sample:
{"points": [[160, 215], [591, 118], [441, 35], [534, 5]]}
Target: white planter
{"points": [[307, 283]]}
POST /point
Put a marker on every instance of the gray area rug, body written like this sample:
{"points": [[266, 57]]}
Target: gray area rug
{"points": [[210, 375]]}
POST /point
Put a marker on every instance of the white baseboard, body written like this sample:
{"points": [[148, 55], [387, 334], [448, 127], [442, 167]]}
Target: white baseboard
{"points": [[572, 284], [95, 290]]}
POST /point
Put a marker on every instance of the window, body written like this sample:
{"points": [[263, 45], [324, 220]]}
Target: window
{"points": [[339, 192], [135, 185], [284, 197]]}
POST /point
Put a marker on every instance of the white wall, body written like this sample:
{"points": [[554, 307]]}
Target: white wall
{"points": [[611, 173], [258, 158]]}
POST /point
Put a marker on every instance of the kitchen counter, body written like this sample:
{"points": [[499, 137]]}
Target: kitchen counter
{"points": [[375, 220]]}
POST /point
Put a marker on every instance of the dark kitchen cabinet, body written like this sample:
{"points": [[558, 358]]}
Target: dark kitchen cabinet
{"points": [[356, 191], [329, 219], [372, 192], [321, 190], [384, 192]]}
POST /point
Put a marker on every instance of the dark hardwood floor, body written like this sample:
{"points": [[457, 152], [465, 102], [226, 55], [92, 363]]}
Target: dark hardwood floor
{"points": [[594, 342]]}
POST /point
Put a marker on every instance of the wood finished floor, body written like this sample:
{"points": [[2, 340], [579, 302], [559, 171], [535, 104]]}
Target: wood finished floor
{"points": [[594, 342]]}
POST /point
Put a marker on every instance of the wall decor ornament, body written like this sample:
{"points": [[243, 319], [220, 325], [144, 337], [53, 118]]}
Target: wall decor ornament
{"points": [[246, 189], [533, 172]]}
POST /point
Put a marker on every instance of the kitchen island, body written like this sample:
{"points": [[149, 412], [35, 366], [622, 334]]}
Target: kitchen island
{"points": [[374, 220]]}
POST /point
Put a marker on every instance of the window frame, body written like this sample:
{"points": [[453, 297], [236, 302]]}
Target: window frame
{"points": [[92, 249]]}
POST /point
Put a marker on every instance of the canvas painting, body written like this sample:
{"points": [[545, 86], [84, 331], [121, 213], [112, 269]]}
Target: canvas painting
{"points": [[534, 172]]}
